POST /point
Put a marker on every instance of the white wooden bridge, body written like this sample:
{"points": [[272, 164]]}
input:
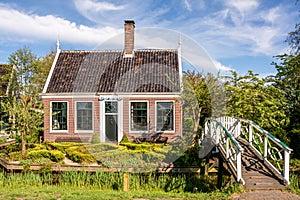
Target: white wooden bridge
{"points": [[255, 157]]}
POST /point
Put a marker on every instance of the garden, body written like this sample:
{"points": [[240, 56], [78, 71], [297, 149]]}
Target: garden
{"points": [[139, 161]]}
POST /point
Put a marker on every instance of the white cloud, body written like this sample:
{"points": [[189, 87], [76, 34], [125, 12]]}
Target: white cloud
{"points": [[221, 67], [102, 13], [27, 27], [187, 5], [243, 29], [98, 6], [242, 5]]}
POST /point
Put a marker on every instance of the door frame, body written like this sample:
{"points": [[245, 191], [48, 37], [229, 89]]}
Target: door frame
{"points": [[102, 118]]}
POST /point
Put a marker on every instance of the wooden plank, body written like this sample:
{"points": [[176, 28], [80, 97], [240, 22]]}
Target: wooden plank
{"points": [[92, 168]]}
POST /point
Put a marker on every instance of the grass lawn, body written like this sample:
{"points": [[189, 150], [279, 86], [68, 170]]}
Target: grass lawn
{"points": [[74, 193]]}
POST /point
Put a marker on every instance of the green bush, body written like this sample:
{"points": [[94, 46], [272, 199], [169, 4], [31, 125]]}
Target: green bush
{"points": [[153, 157], [35, 154], [125, 139], [96, 148], [56, 156], [61, 146], [79, 154], [53, 155], [3, 139], [39, 146], [188, 124], [13, 148], [15, 156], [95, 139], [134, 146], [79, 157]]}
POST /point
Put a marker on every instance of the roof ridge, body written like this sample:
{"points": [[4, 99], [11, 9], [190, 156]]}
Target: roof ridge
{"points": [[114, 50], [89, 51]]}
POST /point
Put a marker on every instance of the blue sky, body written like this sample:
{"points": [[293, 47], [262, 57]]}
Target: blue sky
{"points": [[236, 34]]}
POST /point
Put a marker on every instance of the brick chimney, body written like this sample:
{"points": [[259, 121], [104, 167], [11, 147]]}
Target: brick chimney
{"points": [[129, 38]]}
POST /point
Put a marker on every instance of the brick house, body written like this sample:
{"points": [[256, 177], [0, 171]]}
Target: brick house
{"points": [[113, 92]]}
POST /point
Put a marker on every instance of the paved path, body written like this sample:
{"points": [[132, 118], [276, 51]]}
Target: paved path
{"points": [[266, 195]]}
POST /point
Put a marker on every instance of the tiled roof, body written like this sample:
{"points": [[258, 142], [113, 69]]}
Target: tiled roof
{"points": [[109, 72]]}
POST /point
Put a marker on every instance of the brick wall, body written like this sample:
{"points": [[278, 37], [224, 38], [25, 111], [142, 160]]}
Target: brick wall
{"points": [[96, 113]]}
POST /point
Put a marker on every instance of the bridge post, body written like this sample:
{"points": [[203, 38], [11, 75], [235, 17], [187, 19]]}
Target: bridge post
{"points": [[238, 130], [286, 172], [265, 146], [239, 165], [227, 148], [250, 134], [220, 171]]}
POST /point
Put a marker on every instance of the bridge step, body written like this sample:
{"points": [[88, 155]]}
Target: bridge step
{"points": [[256, 173]]}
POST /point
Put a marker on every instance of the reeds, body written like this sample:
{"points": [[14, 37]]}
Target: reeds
{"points": [[170, 182]]}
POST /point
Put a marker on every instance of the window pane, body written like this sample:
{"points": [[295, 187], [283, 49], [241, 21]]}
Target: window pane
{"points": [[164, 116], [84, 115], [59, 116], [138, 116], [111, 107]]}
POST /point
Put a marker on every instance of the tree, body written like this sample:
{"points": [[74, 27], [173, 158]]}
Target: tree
{"points": [[201, 97], [41, 68], [288, 80], [22, 62], [250, 97], [25, 119], [23, 106]]}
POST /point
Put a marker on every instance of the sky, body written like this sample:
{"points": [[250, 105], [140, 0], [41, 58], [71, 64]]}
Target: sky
{"points": [[238, 35]]}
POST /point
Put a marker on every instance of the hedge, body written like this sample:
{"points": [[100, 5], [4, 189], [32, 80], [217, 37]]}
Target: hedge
{"points": [[53, 155], [79, 154]]}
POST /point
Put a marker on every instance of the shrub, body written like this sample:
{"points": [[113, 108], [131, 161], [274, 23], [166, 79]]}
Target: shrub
{"points": [[35, 154], [53, 155], [62, 146], [79, 157], [125, 139], [79, 154], [15, 156], [39, 147], [96, 148], [95, 139], [3, 139], [134, 146], [13, 147], [56, 156], [153, 157]]}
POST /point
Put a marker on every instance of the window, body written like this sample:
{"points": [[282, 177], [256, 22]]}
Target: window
{"points": [[111, 107], [84, 116], [59, 115], [138, 116], [164, 116]]}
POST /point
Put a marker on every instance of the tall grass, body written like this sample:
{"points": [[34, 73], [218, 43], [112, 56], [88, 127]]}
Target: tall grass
{"points": [[167, 182]]}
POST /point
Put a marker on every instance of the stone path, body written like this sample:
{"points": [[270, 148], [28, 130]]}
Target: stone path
{"points": [[266, 195]]}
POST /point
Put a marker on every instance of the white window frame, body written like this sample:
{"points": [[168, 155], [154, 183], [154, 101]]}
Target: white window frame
{"points": [[75, 118], [174, 115], [59, 131], [148, 115]]}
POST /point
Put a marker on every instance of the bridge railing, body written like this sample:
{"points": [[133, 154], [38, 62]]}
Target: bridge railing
{"points": [[226, 144], [273, 151]]}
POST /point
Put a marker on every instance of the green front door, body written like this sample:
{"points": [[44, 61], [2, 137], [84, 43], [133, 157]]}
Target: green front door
{"points": [[111, 121]]}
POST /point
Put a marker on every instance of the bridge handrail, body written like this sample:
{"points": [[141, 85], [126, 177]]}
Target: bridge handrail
{"points": [[238, 148], [267, 149], [235, 142], [269, 135]]}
